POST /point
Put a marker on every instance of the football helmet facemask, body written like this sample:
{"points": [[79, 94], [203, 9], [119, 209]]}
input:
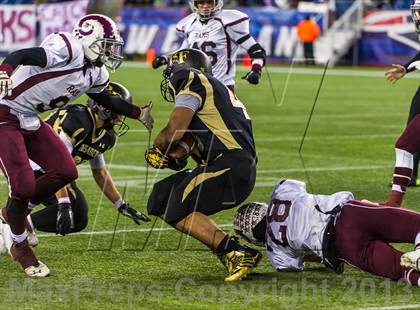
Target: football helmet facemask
{"points": [[188, 58], [101, 40], [415, 14], [250, 222], [112, 120], [208, 8]]}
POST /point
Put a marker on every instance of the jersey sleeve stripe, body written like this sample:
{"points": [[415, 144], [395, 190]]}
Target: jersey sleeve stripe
{"points": [[228, 46], [63, 36], [36, 79], [243, 39], [237, 22]]}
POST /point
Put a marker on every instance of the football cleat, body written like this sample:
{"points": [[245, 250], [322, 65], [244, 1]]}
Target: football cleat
{"points": [[415, 182], [39, 271], [239, 263], [24, 255], [6, 236], [411, 260]]}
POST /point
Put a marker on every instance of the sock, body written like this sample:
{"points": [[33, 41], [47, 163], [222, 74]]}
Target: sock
{"points": [[28, 218], [412, 276], [228, 244], [16, 210], [21, 237], [417, 242], [402, 176]]}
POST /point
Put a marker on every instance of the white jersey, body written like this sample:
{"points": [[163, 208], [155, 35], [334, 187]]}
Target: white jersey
{"points": [[219, 38], [295, 228], [64, 78]]}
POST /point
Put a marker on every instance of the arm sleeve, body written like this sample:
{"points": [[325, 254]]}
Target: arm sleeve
{"points": [[97, 163], [115, 104], [187, 101], [415, 58], [283, 259], [35, 56]]}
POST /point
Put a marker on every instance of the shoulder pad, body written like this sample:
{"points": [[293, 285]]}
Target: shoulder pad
{"points": [[230, 17], [186, 22], [180, 79]]}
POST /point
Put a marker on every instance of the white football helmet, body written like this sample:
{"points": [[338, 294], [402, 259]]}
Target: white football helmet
{"points": [[101, 40], [209, 11], [250, 222], [415, 14]]}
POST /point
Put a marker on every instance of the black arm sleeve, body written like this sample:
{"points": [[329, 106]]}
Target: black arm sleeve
{"points": [[257, 51], [34, 56], [115, 103], [415, 58]]}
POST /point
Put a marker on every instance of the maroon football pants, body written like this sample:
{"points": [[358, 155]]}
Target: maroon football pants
{"points": [[410, 138], [363, 234], [45, 148]]}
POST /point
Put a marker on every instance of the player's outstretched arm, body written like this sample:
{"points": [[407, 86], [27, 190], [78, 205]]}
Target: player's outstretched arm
{"points": [[122, 107], [104, 180], [395, 73]]}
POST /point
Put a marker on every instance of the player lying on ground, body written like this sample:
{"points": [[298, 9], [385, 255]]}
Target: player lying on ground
{"points": [[219, 33], [336, 228], [398, 72], [88, 132], [226, 174], [63, 68]]}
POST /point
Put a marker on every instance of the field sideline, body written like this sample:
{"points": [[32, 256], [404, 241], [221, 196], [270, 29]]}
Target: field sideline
{"points": [[115, 264]]}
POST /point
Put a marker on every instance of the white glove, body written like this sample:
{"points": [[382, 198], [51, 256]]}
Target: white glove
{"points": [[415, 65], [5, 84], [146, 117]]}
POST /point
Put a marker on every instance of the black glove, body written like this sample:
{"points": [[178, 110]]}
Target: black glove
{"points": [[132, 213], [253, 76], [65, 221], [159, 61]]}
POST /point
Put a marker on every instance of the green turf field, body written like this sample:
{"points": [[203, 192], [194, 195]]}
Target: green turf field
{"points": [[349, 146]]}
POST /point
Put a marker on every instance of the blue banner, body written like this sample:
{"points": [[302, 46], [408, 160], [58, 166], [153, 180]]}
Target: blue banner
{"points": [[274, 29]]}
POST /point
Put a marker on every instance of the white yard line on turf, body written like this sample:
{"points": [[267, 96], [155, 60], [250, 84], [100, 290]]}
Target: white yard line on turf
{"points": [[416, 306], [108, 232], [313, 71]]}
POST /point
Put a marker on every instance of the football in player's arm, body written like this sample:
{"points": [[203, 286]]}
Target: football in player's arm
{"points": [[206, 109], [335, 228], [219, 33], [61, 69]]}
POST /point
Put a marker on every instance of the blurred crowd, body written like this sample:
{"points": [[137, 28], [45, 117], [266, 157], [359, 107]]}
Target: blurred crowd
{"points": [[369, 4]]}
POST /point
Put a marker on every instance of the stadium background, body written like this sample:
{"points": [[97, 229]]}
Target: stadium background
{"points": [[115, 264]]}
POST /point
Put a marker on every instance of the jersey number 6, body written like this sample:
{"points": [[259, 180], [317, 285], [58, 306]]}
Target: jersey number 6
{"points": [[204, 48]]}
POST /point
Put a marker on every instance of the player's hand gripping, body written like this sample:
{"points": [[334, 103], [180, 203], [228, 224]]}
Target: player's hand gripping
{"points": [[146, 117], [397, 72], [6, 84], [132, 213], [253, 76], [65, 221]]}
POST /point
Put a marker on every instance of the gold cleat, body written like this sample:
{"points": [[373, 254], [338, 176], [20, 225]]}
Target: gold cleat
{"points": [[240, 263]]}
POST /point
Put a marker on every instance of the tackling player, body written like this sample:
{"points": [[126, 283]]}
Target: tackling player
{"points": [[88, 132], [205, 108], [408, 145], [64, 67], [219, 33], [335, 228]]}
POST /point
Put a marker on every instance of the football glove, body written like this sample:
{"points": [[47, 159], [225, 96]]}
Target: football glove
{"points": [[253, 76], [159, 61], [6, 84], [132, 213], [158, 160], [146, 117], [65, 221]]}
